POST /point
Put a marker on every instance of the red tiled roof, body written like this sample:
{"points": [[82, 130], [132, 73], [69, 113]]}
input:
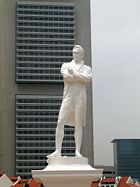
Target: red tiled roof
{"points": [[34, 183], [24, 181], [95, 183], [132, 185], [124, 179], [31, 182], [13, 179], [19, 185], [122, 182], [104, 180]]}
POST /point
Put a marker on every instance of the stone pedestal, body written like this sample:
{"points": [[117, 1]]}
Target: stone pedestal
{"points": [[67, 172]]}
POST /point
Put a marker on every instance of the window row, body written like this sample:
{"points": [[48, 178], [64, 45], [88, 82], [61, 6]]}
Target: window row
{"points": [[38, 6], [44, 19], [43, 13]]}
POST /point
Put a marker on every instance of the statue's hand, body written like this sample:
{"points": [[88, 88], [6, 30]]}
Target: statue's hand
{"points": [[70, 71], [76, 74]]}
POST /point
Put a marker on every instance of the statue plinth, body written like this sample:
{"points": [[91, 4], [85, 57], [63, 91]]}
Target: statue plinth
{"points": [[67, 172]]}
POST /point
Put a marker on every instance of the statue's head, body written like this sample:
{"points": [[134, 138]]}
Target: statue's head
{"points": [[78, 53]]}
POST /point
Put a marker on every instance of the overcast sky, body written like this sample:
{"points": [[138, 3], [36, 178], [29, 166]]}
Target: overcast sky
{"points": [[116, 61]]}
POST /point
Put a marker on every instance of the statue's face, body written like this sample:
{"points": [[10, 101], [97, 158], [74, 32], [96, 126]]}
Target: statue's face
{"points": [[77, 55]]}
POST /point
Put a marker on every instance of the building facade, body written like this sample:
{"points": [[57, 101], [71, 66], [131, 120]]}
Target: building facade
{"points": [[127, 157], [36, 39]]}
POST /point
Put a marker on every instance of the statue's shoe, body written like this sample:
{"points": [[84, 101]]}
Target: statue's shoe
{"points": [[77, 154], [54, 154]]}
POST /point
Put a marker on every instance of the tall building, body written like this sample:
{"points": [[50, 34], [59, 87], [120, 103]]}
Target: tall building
{"points": [[127, 157], [37, 36]]}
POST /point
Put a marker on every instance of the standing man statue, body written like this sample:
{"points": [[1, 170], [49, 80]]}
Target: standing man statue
{"points": [[73, 108]]}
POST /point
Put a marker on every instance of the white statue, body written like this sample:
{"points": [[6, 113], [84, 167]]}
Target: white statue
{"points": [[73, 108]]}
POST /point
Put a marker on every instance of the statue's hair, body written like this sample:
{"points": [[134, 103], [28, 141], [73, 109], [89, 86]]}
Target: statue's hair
{"points": [[80, 48]]}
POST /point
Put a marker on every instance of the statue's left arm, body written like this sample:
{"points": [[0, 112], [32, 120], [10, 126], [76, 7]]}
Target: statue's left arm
{"points": [[84, 76]]}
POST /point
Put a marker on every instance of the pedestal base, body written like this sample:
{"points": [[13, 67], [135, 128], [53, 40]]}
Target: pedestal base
{"points": [[67, 172]]}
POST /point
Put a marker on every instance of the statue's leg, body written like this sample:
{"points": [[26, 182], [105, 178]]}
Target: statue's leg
{"points": [[79, 120], [64, 112], [78, 140], [59, 135]]}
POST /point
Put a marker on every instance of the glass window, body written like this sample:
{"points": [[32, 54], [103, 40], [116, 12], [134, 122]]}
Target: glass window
{"points": [[43, 28], [36, 120]]}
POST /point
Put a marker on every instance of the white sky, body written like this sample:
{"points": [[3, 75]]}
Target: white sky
{"points": [[116, 85]]}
